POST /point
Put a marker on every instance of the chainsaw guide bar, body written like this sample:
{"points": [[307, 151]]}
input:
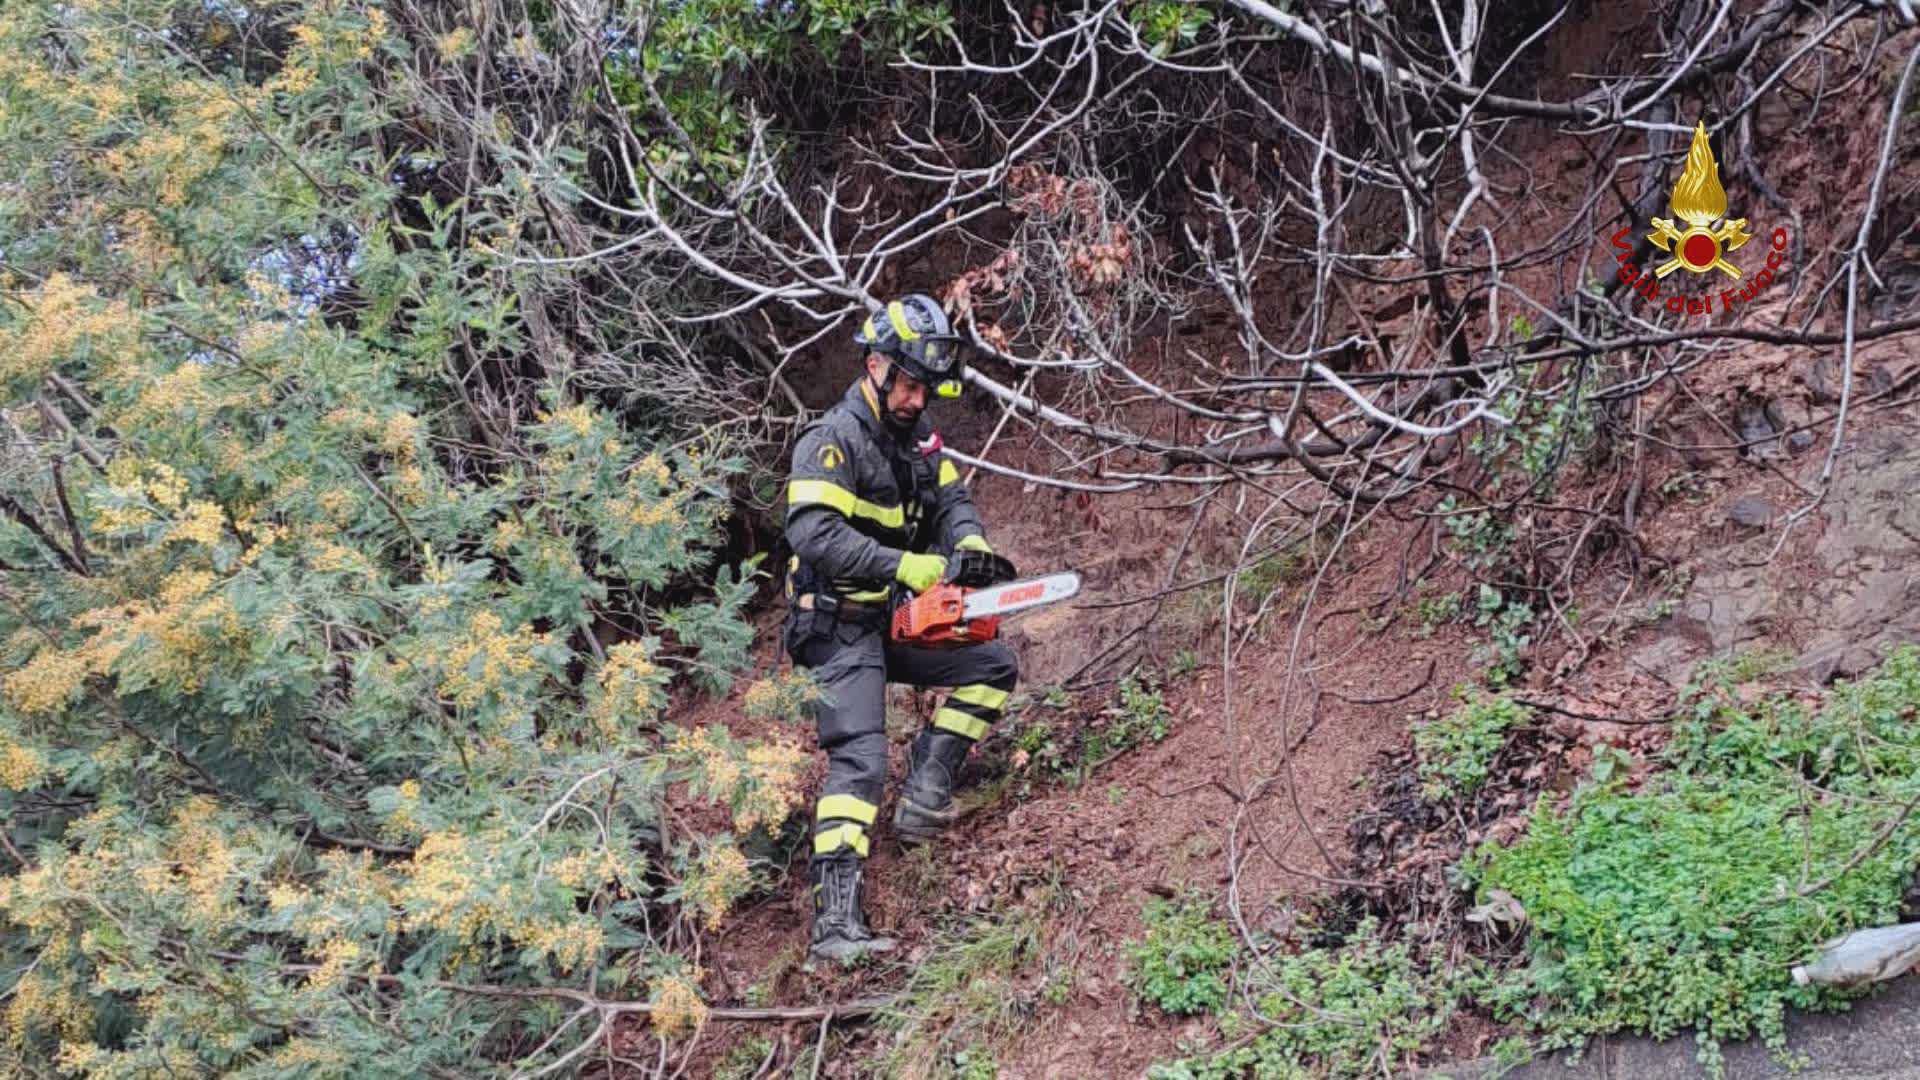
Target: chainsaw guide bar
{"points": [[1011, 596], [953, 615]]}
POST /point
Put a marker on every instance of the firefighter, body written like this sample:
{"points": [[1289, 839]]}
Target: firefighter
{"points": [[873, 505]]}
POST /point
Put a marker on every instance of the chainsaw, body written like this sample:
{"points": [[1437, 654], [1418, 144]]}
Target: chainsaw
{"points": [[976, 592]]}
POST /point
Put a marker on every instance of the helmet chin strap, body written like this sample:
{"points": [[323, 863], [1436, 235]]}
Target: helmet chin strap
{"points": [[885, 386], [885, 389]]}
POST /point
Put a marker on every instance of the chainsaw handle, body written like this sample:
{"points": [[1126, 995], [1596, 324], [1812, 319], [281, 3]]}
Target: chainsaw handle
{"points": [[977, 569]]}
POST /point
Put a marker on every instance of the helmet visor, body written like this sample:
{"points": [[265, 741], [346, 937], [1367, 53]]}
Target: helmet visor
{"points": [[938, 355]]}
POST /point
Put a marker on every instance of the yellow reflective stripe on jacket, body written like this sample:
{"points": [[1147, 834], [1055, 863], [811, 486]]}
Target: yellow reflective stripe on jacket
{"points": [[897, 315], [987, 697], [960, 723], [845, 806], [840, 836], [828, 493], [866, 596], [948, 474]]}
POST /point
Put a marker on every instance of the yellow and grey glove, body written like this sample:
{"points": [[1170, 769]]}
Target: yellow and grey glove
{"points": [[974, 542], [920, 572]]}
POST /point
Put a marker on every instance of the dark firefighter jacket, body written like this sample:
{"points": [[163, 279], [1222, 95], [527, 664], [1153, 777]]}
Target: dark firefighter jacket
{"points": [[857, 498]]}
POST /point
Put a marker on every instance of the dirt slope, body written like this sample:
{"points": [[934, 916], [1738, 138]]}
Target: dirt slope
{"points": [[1311, 725]]}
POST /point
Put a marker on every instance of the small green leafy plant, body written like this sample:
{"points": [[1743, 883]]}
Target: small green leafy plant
{"points": [[1682, 904], [1506, 621], [744, 1061], [1435, 612], [1185, 662], [1138, 714], [975, 1064], [1364, 1008], [1545, 432], [1167, 24], [1038, 741], [1182, 964], [1476, 537], [1455, 750]]}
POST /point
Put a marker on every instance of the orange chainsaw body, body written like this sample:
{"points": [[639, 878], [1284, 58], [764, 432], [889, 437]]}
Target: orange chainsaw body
{"points": [[935, 618]]}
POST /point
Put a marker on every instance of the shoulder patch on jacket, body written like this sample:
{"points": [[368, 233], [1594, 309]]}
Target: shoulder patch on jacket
{"points": [[830, 456]]}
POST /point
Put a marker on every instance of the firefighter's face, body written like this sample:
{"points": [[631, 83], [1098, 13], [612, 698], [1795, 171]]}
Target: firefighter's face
{"points": [[908, 396]]}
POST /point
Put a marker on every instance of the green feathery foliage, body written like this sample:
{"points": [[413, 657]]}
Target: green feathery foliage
{"points": [[348, 569]]}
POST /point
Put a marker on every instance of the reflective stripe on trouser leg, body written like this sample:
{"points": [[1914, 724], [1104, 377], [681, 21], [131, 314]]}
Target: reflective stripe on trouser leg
{"points": [[842, 821], [843, 834], [973, 708], [970, 710], [961, 722], [983, 676], [852, 728], [851, 807], [984, 695]]}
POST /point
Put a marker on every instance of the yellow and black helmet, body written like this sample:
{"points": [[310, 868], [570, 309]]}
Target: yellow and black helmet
{"points": [[914, 333]]}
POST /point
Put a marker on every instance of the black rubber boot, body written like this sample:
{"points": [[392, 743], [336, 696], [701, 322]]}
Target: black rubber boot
{"points": [[926, 807], [840, 930]]}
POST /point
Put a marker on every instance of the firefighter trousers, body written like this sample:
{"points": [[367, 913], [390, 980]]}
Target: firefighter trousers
{"points": [[852, 663]]}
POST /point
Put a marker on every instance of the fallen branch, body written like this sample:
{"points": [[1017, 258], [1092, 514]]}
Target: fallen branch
{"points": [[838, 1011], [1390, 699]]}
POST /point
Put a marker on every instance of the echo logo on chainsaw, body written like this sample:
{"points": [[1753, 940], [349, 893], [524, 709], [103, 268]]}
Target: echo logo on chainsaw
{"points": [[1021, 595], [1700, 203]]}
